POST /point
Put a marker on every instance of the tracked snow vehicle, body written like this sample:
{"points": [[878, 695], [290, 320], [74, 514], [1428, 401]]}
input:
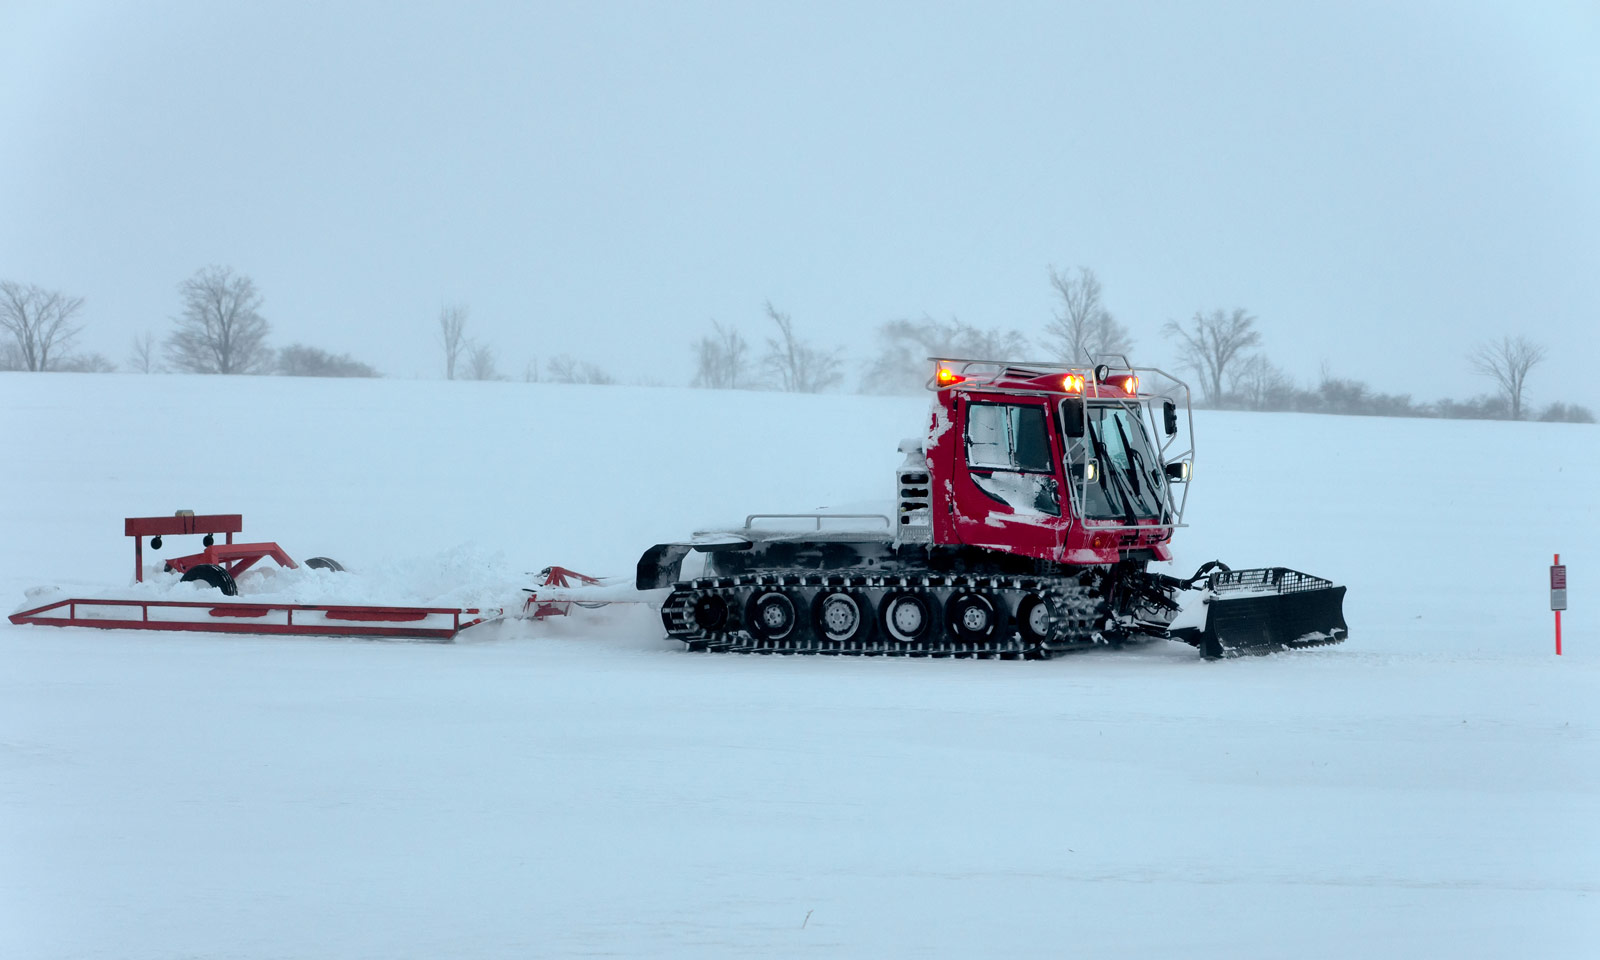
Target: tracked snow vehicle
{"points": [[1026, 521]]}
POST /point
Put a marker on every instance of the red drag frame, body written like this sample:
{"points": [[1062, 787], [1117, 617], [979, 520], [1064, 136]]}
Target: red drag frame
{"points": [[234, 617]]}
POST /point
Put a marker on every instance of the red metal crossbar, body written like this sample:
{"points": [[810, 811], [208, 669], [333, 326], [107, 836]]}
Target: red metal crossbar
{"points": [[562, 577], [236, 557], [181, 524], [251, 618]]}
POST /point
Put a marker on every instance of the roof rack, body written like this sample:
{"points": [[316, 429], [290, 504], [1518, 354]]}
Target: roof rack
{"points": [[980, 372], [1041, 367]]}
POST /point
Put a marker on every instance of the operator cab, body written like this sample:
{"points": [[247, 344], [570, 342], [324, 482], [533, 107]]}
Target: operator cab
{"points": [[1068, 464]]}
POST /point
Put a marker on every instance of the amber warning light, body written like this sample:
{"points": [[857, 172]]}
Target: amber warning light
{"points": [[1072, 383], [948, 377]]}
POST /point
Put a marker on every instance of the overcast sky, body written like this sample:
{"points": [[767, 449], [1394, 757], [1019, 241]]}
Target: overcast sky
{"points": [[1382, 184]]}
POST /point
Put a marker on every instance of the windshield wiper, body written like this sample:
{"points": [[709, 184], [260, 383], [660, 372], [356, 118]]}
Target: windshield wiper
{"points": [[1124, 496], [1135, 464]]}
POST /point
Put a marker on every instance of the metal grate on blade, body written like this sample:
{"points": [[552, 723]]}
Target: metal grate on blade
{"points": [[1267, 580]]}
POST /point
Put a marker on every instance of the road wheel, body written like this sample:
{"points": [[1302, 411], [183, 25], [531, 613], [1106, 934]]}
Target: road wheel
{"points": [[841, 617], [907, 617], [972, 618], [213, 575], [772, 615], [1035, 614], [711, 613]]}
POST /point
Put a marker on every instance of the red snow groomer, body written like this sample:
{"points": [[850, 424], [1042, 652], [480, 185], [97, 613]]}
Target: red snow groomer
{"points": [[1027, 519]]}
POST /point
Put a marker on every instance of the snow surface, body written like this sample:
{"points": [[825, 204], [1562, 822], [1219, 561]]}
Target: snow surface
{"points": [[581, 787]]}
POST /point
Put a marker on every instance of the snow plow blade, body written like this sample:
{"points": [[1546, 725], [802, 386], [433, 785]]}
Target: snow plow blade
{"points": [[1270, 609]]}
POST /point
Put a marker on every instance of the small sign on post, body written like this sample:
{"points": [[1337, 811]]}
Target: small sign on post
{"points": [[1558, 595]]}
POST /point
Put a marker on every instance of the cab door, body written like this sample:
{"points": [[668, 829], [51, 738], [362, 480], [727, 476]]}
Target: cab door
{"points": [[1006, 484]]}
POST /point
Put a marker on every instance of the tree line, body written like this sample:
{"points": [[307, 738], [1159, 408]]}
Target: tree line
{"points": [[220, 329], [1221, 347]]}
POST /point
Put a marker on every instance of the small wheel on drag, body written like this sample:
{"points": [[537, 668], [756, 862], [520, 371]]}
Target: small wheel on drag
{"points": [[710, 613], [972, 618], [772, 615], [841, 617], [214, 576], [325, 563], [907, 617], [1034, 616]]}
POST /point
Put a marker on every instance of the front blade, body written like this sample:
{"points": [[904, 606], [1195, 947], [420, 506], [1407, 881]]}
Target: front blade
{"points": [[1269, 609]]}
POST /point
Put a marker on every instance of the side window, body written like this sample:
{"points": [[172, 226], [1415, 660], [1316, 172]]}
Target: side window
{"points": [[988, 436], [1006, 436], [1031, 439], [1010, 443]]}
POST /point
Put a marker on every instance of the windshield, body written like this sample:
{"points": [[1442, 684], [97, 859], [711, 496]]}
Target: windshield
{"points": [[1128, 484]]}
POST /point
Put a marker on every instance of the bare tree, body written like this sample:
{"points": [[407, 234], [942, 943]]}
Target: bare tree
{"points": [[221, 330], [481, 362], [1258, 383], [795, 365], [1212, 343], [1568, 412], [143, 357], [1507, 363], [565, 369], [902, 363], [40, 324], [593, 374], [452, 336], [1082, 326], [720, 359], [299, 360], [85, 363]]}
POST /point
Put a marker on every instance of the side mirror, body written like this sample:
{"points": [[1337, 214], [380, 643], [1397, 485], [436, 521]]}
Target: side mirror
{"points": [[1169, 417], [1072, 417], [1178, 471], [1089, 471]]}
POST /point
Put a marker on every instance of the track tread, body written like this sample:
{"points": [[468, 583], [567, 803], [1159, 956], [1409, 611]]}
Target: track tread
{"points": [[1076, 613]]}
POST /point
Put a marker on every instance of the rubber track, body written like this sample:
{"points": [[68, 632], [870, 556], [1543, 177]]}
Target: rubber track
{"points": [[1072, 625]]}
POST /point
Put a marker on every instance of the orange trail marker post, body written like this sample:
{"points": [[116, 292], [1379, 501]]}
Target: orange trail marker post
{"points": [[1558, 595]]}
